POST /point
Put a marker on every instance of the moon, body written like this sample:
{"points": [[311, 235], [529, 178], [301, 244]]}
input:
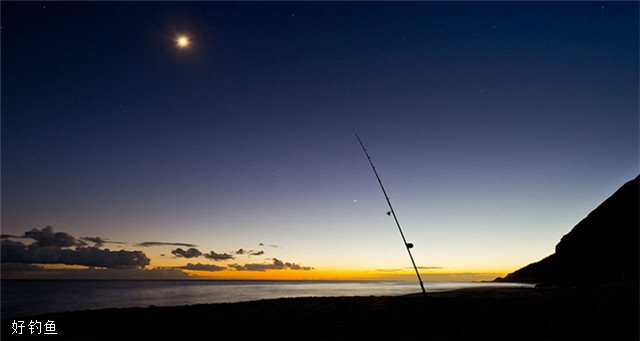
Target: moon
{"points": [[183, 41]]}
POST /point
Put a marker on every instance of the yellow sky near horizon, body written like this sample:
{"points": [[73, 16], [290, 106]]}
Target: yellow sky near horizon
{"points": [[428, 275]]}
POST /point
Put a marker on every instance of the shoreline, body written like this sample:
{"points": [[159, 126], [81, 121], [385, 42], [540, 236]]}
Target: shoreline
{"points": [[28, 298], [600, 312]]}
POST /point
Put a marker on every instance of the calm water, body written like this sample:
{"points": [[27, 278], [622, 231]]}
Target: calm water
{"points": [[20, 298]]}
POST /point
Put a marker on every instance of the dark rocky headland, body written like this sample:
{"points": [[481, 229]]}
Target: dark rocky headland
{"points": [[602, 248]]}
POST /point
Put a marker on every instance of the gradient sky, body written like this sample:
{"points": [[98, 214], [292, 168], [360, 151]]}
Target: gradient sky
{"points": [[496, 127]]}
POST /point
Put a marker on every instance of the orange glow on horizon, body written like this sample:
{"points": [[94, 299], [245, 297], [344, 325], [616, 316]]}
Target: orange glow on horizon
{"points": [[62, 266], [345, 275], [459, 274], [428, 275]]}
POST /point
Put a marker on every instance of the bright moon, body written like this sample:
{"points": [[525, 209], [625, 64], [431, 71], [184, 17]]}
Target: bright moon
{"points": [[183, 41]]}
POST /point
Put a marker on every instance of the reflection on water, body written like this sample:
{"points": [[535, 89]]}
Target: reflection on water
{"points": [[21, 298]]}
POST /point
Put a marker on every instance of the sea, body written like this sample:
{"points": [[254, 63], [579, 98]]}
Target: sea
{"points": [[31, 297]]}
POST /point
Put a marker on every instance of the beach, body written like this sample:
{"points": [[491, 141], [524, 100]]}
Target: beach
{"points": [[608, 311]]}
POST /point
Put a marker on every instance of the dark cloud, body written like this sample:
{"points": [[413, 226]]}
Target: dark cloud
{"points": [[426, 267], [294, 266], [97, 241], [17, 252], [251, 267], [190, 253], [218, 256], [12, 268], [202, 267], [261, 244], [149, 244], [249, 252], [270, 245], [275, 265], [47, 237], [33, 272]]}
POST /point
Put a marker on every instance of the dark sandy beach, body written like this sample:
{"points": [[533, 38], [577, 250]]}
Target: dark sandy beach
{"points": [[598, 312]]}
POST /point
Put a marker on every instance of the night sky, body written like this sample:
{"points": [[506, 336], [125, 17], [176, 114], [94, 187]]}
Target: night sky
{"points": [[496, 127]]}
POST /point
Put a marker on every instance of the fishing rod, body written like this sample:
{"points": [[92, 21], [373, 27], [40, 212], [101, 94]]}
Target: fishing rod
{"points": [[392, 212]]}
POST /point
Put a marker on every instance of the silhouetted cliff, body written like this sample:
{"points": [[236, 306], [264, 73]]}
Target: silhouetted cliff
{"points": [[603, 247]]}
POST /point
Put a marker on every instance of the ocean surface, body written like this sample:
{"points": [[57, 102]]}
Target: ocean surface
{"points": [[24, 298]]}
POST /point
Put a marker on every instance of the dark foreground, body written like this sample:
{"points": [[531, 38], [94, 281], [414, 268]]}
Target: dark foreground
{"points": [[601, 312]]}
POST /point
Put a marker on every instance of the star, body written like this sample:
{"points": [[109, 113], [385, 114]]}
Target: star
{"points": [[183, 41]]}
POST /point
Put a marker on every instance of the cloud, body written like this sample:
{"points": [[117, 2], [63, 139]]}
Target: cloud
{"points": [[17, 252], [46, 237], [251, 267], [275, 265], [98, 242], [294, 266], [218, 256], [13, 268], [12, 271], [249, 252], [50, 247], [202, 267], [426, 267], [190, 253], [149, 244], [5, 236], [270, 245]]}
